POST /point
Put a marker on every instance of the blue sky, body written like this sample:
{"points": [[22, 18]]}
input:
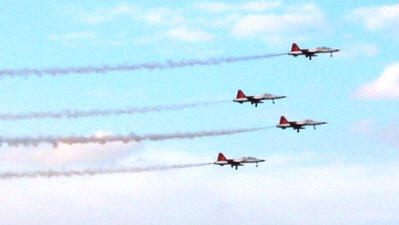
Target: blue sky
{"points": [[356, 92]]}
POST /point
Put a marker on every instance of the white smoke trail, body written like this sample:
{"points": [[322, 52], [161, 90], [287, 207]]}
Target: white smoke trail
{"points": [[35, 141], [92, 172], [132, 67], [73, 114]]}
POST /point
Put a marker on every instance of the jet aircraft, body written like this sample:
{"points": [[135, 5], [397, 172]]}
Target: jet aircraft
{"points": [[222, 160], [241, 98], [284, 123], [309, 53]]}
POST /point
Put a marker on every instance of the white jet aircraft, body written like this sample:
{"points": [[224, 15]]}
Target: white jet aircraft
{"points": [[241, 98], [221, 161], [284, 123], [309, 53]]}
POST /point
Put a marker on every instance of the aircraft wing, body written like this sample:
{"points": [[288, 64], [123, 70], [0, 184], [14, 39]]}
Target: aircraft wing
{"points": [[254, 99], [273, 97], [309, 52], [316, 123], [221, 163], [240, 160]]}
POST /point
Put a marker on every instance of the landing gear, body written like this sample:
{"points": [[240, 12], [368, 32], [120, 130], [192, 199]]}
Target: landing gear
{"points": [[236, 167], [297, 130], [331, 54], [273, 101], [314, 127], [256, 164], [256, 104]]}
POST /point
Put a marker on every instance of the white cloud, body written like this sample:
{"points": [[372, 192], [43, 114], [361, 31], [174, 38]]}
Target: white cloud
{"points": [[65, 155], [183, 34], [252, 6], [102, 15], [391, 133], [378, 18], [259, 6], [286, 189], [326, 195], [151, 16], [363, 127], [243, 20], [304, 19], [385, 86], [215, 7], [73, 36], [359, 49], [161, 16]]}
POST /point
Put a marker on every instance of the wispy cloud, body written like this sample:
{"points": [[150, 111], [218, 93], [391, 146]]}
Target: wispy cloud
{"points": [[183, 34], [289, 195], [65, 156], [359, 49], [391, 132], [129, 12], [252, 6], [379, 17], [303, 20], [102, 15], [73, 37], [363, 127], [386, 86], [206, 21], [161, 16]]}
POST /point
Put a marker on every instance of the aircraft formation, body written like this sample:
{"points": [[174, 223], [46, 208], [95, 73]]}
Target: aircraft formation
{"points": [[284, 123], [221, 159]]}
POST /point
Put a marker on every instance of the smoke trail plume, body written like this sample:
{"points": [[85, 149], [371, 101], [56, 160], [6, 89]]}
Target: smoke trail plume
{"points": [[73, 114], [129, 67], [35, 141], [92, 172]]}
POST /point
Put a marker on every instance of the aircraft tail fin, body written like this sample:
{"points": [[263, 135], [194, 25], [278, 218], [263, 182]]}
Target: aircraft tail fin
{"points": [[283, 120], [240, 94], [295, 47], [221, 157]]}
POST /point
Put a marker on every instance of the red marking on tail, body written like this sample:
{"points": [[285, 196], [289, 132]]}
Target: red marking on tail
{"points": [[295, 48], [283, 120], [240, 94], [221, 157]]}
